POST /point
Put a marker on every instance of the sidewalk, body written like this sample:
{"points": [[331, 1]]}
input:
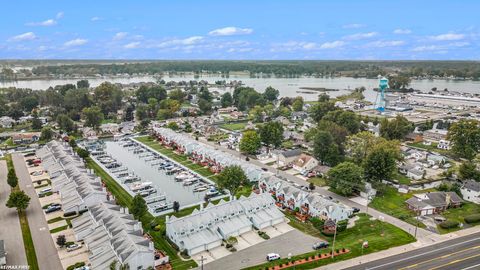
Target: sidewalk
{"points": [[398, 250]]}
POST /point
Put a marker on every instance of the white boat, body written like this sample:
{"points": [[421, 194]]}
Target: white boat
{"points": [[200, 188], [137, 187], [182, 176]]}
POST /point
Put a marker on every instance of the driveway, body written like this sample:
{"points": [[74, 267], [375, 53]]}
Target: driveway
{"points": [[294, 242], [47, 255], [10, 230]]}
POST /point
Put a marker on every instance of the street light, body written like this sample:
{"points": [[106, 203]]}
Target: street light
{"points": [[369, 198], [334, 237]]}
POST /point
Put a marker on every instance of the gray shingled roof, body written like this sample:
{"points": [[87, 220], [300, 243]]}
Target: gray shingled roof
{"points": [[472, 185]]}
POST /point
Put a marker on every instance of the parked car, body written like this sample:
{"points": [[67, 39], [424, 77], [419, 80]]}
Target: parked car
{"points": [[82, 268], [320, 245], [45, 191], [36, 173], [73, 247], [272, 257], [53, 208], [355, 209]]}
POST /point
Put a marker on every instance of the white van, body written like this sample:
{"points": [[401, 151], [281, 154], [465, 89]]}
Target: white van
{"points": [[272, 257], [45, 191]]}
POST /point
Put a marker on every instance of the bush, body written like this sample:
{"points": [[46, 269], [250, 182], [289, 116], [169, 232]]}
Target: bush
{"points": [[472, 218], [69, 214], [449, 224], [76, 265], [342, 225], [328, 233], [264, 235]]}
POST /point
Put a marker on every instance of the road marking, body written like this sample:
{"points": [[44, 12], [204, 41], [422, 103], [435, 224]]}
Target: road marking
{"points": [[421, 254], [42, 229], [440, 257], [455, 261], [471, 267]]}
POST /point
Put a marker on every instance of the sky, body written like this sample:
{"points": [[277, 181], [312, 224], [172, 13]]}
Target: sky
{"points": [[241, 30]]}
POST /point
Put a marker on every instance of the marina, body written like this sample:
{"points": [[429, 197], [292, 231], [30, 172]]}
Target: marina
{"points": [[159, 180]]}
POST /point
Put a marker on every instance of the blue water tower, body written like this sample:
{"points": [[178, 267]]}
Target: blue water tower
{"points": [[380, 102]]}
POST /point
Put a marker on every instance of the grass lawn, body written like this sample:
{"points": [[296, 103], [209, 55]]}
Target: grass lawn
{"points": [[458, 214], [317, 181], [402, 179], [432, 147], [380, 236], [26, 234], [234, 126], [59, 229], [392, 203]]}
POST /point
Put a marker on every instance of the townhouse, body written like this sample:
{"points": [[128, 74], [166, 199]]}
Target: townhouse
{"points": [[208, 227]]}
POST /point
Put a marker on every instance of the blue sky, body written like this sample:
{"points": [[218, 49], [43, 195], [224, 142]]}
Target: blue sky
{"points": [[335, 29]]}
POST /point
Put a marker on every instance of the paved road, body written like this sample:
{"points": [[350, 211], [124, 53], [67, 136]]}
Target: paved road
{"points": [[421, 234], [10, 230], [460, 253], [294, 242], [47, 255]]}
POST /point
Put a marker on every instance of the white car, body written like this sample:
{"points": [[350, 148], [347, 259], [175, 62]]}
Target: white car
{"points": [[272, 257], [73, 247]]}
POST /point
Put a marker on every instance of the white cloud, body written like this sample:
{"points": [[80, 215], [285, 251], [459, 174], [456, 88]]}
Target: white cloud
{"points": [[231, 50], [94, 19], [24, 36], [132, 45], [402, 31], [353, 26], [361, 36], [332, 45], [49, 22], [75, 42], [120, 35], [448, 36], [185, 41], [230, 31], [440, 47], [60, 15], [385, 43]]}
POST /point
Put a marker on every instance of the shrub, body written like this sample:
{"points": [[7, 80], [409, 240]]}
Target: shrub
{"points": [[328, 233], [472, 218], [69, 214], [449, 224], [342, 225], [76, 265]]}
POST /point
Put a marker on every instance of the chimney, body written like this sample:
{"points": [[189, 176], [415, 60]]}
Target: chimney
{"points": [[166, 218], [126, 210], [150, 246], [201, 206], [448, 199], [139, 224]]}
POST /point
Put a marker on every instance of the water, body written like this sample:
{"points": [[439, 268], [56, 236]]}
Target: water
{"points": [[287, 87], [175, 191]]}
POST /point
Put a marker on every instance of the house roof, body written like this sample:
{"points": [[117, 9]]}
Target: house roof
{"points": [[433, 199], [291, 153], [302, 160], [472, 185]]}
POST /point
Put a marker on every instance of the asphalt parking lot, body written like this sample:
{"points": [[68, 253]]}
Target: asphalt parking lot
{"points": [[294, 242]]}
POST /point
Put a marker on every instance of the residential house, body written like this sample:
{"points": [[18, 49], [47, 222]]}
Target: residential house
{"points": [[286, 157], [88, 133], [471, 191], [206, 228], [414, 137], [304, 163], [6, 121], [412, 171], [433, 202], [26, 138], [444, 144], [435, 135], [227, 110], [111, 128]]}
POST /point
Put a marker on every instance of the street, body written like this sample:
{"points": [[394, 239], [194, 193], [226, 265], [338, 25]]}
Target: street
{"points": [[47, 255], [421, 234], [460, 253], [10, 231]]}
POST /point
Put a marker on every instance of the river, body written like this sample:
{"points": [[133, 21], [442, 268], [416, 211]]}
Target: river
{"points": [[288, 87]]}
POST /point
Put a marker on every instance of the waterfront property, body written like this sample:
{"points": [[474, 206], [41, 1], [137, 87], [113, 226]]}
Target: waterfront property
{"points": [[205, 154], [207, 228], [308, 204]]}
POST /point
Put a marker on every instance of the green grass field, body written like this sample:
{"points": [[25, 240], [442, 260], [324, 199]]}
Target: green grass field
{"points": [[234, 126], [392, 203], [458, 214], [317, 181], [380, 236]]}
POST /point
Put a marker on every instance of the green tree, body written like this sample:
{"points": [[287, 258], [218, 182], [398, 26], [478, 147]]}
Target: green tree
{"points": [[142, 112], [83, 153], [19, 200], [36, 123], [61, 240], [93, 116], [325, 149], [12, 179], [347, 119], [65, 123], [108, 97], [204, 105], [465, 137], [145, 92], [172, 125], [77, 99], [250, 142], [468, 170], [139, 206], [232, 178], [177, 95], [28, 103], [395, 129], [46, 134], [346, 178], [380, 163], [359, 145], [168, 108], [83, 84], [271, 133], [226, 100], [398, 82], [256, 114], [319, 110], [271, 94], [297, 104]]}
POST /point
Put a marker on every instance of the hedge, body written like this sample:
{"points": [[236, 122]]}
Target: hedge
{"points": [[449, 224], [472, 218], [77, 265]]}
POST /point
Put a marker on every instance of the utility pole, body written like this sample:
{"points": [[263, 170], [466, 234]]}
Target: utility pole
{"points": [[201, 260], [416, 225], [334, 237]]}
